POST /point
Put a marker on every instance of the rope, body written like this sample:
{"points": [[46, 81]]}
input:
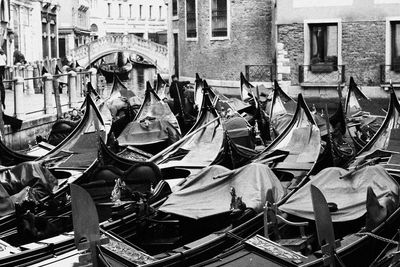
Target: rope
{"points": [[380, 238]]}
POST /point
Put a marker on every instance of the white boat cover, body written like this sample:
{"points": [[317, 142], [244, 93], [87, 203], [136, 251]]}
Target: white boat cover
{"points": [[202, 195], [349, 194]]}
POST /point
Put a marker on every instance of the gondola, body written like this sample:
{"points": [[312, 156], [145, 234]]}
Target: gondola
{"points": [[160, 87], [361, 126], [93, 174], [185, 240], [141, 62], [61, 247], [8, 157], [123, 105], [109, 70], [277, 111], [70, 162], [199, 147], [155, 127], [363, 207]]}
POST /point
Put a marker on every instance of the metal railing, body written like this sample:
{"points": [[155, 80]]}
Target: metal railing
{"points": [[389, 73], [260, 73], [322, 74]]}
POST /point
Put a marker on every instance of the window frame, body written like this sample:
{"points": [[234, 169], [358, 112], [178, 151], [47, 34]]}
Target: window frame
{"points": [[160, 17], [197, 22], [228, 23], [108, 10], [175, 16], [130, 11], [141, 17], [151, 13], [389, 51], [325, 28], [307, 38]]}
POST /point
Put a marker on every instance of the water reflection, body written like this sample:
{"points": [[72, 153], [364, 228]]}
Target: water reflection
{"points": [[137, 80]]}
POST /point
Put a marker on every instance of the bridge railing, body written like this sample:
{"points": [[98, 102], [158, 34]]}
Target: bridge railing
{"points": [[91, 51]]}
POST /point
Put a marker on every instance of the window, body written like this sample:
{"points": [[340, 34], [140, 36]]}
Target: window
{"points": [[130, 11], [323, 44], [395, 28], [109, 10], [160, 13], [174, 7], [191, 31], [219, 18], [120, 10], [2, 11], [141, 11], [150, 12]]}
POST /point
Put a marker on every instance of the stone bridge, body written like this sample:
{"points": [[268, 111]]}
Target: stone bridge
{"points": [[154, 53]]}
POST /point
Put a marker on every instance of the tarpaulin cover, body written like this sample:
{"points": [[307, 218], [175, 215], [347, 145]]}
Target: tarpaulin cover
{"points": [[202, 195], [154, 107], [14, 182], [349, 194], [146, 132], [200, 150]]}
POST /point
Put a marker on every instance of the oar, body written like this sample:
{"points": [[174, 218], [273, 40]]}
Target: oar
{"points": [[328, 131], [323, 223], [176, 144]]}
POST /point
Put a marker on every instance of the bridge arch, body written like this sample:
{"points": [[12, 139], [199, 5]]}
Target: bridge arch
{"points": [[156, 54]]}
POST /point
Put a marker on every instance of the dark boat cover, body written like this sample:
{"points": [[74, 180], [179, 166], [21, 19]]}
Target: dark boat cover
{"points": [[15, 182], [202, 195], [349, 194]]}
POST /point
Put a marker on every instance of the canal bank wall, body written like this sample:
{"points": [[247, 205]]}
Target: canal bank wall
{"points": [[30, 129]]}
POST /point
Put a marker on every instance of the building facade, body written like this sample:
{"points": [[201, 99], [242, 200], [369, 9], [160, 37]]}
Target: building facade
{"points": [[74, 27], [31, 22], [147, 19], [219, 38], [322, 43], [4, 24]]}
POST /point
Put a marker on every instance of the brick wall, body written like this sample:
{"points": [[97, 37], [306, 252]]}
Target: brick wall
{"points": [[291, 40], [250, 41], [363, 50]]}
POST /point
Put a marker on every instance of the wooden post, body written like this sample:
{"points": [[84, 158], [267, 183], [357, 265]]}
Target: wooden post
{"points": [[79, 78], [93, 78], [48, 91], [64, 80], [36, 82], [73, 101], [29, 71], [19, 97]]}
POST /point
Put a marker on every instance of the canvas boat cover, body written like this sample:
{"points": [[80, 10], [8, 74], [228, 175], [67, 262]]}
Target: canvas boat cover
{"points": [[201, 149], [349, 194], [15, 182], [154, 123], [202, 195]]}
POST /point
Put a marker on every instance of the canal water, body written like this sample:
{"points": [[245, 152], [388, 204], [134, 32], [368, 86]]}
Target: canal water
{"points": [[137, 80]]}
